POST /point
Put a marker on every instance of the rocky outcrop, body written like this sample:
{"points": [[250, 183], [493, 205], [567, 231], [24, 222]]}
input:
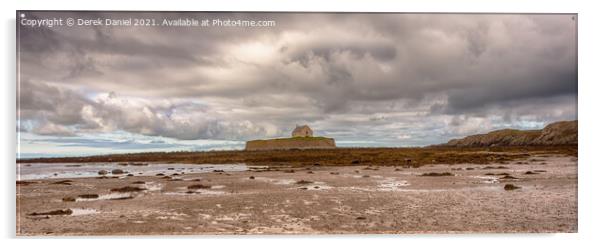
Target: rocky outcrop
{"points": [[559, 133], [291, 143]]}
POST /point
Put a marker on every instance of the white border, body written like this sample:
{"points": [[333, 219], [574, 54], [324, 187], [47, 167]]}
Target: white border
{"points": [[590, 165]]}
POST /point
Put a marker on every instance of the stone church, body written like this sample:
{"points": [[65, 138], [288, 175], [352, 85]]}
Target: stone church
{"points": [[303, 131]]}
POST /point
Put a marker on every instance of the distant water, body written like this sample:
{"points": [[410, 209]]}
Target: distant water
{"points": [[29, 171]]}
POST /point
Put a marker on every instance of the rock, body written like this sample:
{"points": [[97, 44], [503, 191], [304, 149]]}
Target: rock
{"points": [[117, 171], [127, 189], [488, 168], [64, 182], [19, 182], [89, 196], [198, 186], [55, 212], [122, 198], [508, 177], [103, 172], [510, 187], [68, 199], [251, 177], [436, 174]]}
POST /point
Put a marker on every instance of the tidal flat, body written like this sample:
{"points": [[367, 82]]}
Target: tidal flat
{"points": [[307, 199]]}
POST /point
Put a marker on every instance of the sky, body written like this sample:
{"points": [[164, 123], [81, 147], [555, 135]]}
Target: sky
{"points": [[367, 80]]}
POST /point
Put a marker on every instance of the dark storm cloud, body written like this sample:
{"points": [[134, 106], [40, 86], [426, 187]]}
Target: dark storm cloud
{"points": [[503, 90], [417, 74]]}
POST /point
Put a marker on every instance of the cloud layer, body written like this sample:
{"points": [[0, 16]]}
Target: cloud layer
{"points": [[365, 79]]}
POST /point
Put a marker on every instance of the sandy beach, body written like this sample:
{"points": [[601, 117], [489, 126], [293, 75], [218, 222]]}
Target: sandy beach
{"points": [[314, 199]]}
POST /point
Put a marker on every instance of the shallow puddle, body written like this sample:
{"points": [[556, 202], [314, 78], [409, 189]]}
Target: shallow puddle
{"points": [[112, 196], [30, 171], [315, 186], [150, 186], [82, 211], [391, 184], [196, 192], [487, 179], [276, 181]]}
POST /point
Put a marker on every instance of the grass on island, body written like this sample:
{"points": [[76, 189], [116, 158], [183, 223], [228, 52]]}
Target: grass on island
{"points": [[298, 138]]}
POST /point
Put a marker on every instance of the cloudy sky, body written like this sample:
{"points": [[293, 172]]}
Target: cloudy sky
{"points": [[363, 79]]}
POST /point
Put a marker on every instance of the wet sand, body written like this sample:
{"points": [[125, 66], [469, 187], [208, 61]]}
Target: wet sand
{"points": [[310, 200]]}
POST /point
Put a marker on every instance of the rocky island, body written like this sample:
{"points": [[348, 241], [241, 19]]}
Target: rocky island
{"points": [[302, 138]]}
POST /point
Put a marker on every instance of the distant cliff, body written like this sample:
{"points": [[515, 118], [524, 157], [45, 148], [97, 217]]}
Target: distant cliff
{"points": [[558, 133], [291, 143]]}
